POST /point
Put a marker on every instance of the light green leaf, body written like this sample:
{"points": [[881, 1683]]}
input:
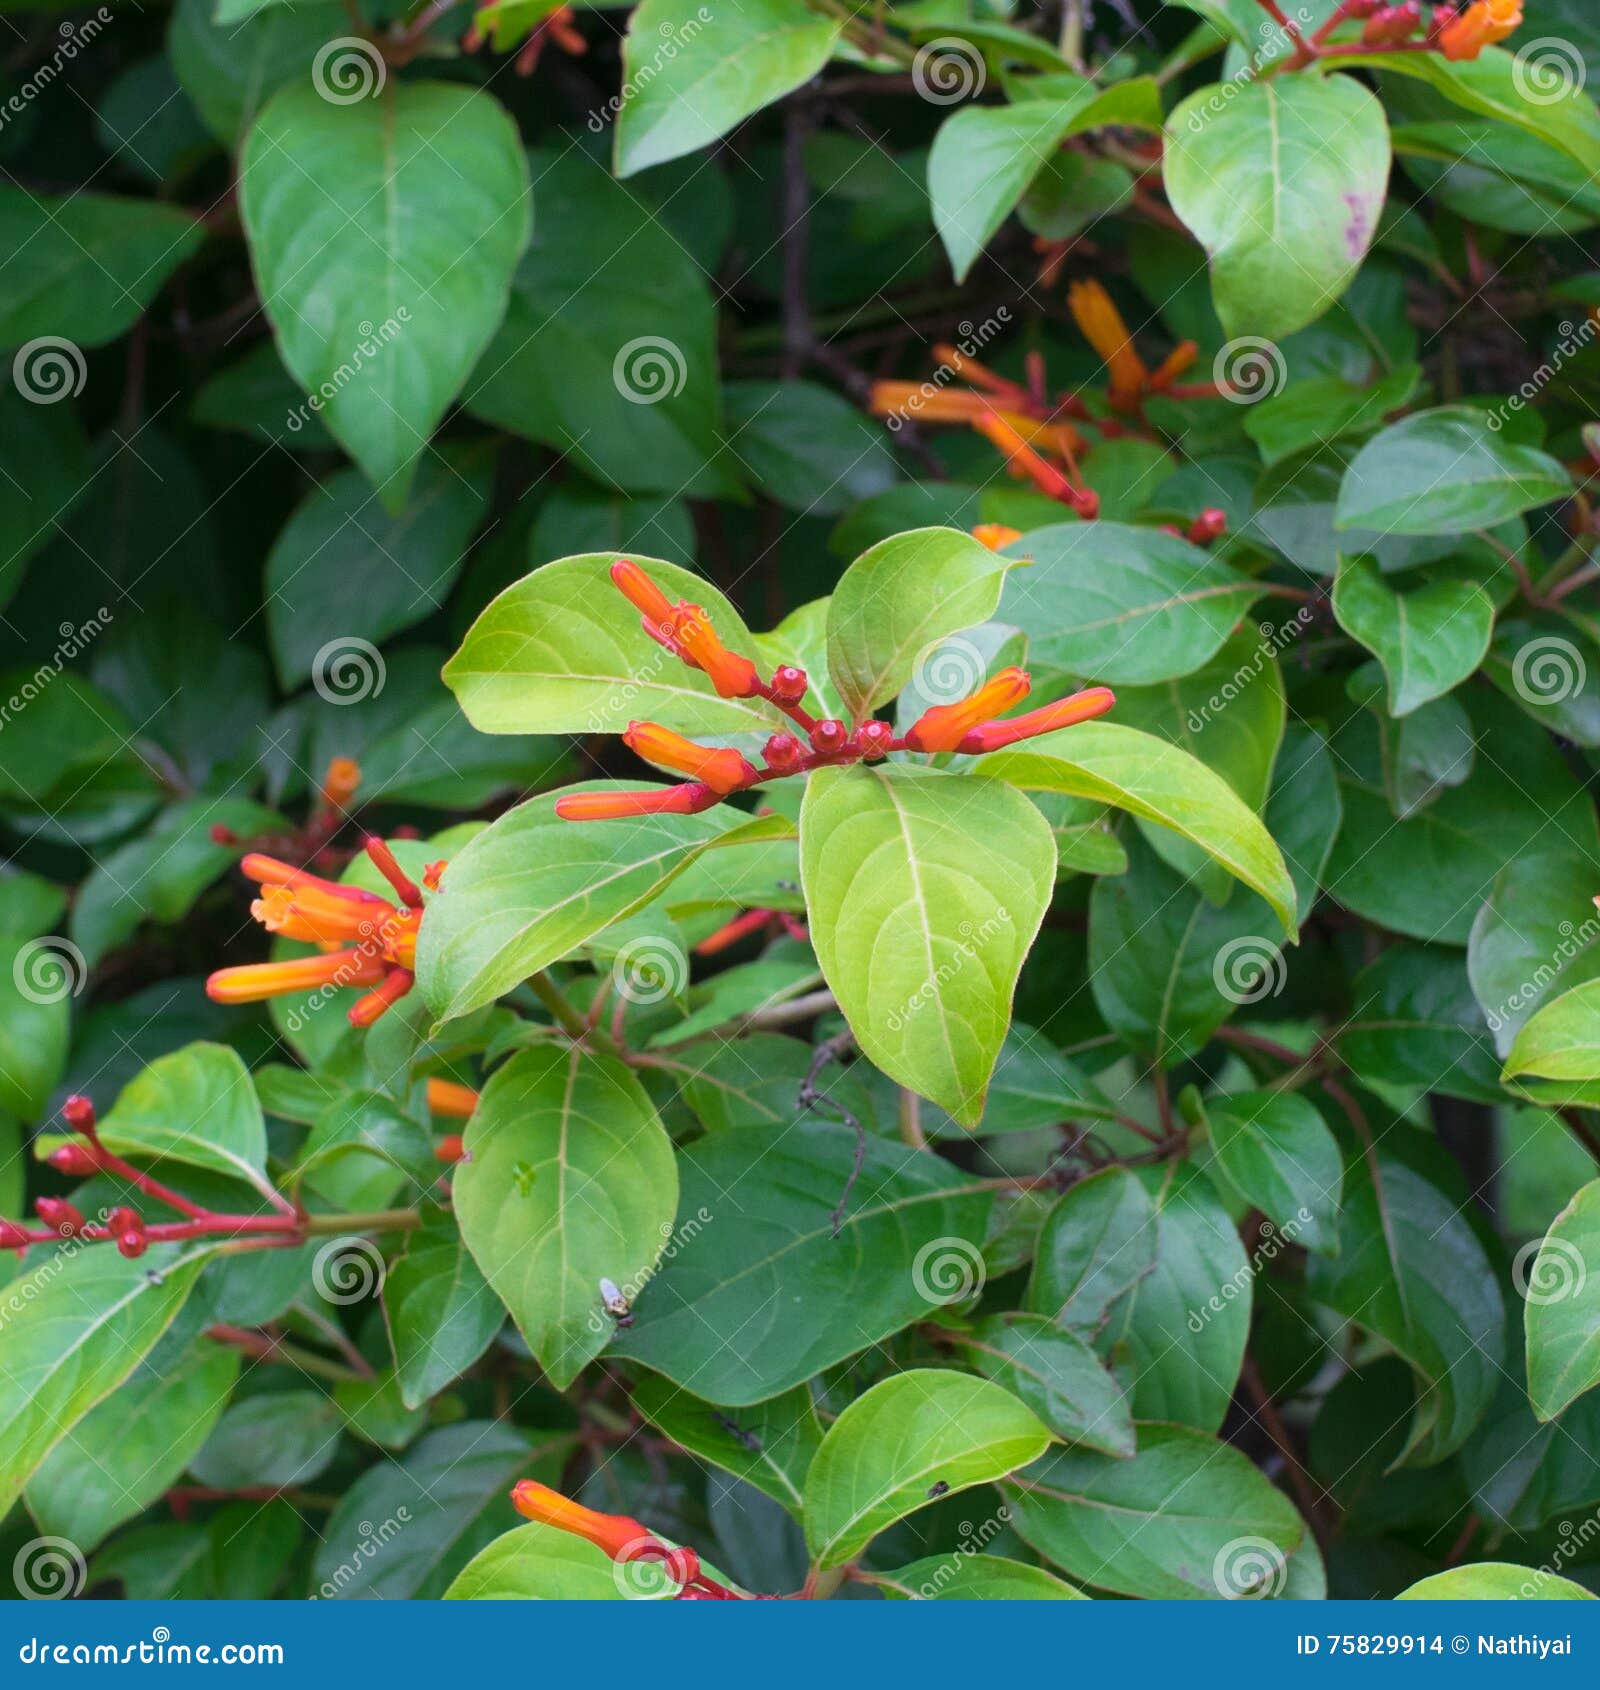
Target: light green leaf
{"points": [[1560, 1044], [921, 1431], [442, 1313], [531, 888], [361, 269], [542, 1563], [1428, 640], [1561, 1315], [729, 63], [925, 891], [1282, 182], [1058, 1376], [231, 70], [897, 601], [569, 1180], [973, 1578], [1495, 1581]]}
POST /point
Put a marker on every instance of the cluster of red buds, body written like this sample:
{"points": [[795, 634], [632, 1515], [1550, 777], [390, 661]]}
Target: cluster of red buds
{"points": [[715, 774], [623, 1539], [365, 940], [1458, 32]]}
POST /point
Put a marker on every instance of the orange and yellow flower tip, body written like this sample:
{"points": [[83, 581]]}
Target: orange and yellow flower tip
{"points": [[641, 592], [685, 800], [258, 981], [382, 998], [268, 871], [724, 770], [1101, 324], [1064, 713], [616, 1534], [697, 643], [445, 1097], [943, 726], [434, 873], [340, 783], [1178, 362], [1481, 25], [995, 535]]}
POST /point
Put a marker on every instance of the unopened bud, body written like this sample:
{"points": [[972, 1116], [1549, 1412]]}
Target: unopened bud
{"points": [[60, 1215], [78, 1113], [829, 736]]}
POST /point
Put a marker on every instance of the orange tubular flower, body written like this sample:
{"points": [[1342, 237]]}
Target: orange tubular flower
{"points": [[450, 1149], [686, 800], [445, 1097], [723, 771], [616, 1534], [1102, 326], [1080, 707], [368, 941], [340, 783], [1481, 25], [1024, 462], [995, 535], [698, 645], [945, 726]]}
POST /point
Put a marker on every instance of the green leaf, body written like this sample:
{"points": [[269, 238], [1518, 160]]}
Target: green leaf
{"points": [[542, 1563], [426, 173], [919, 1434], [973, 1578], [1320, 408], [897, 601], [1410, 1270], [769, 1445], [1158, 782], [1105, 602], [1282, 182], [1186, 1517], [1276, 1151], [1446, 471], [1428, 641], [1533, 939], [1562, 1307], [1096, 1244], [342, 572], [531, 888], [121, 1457], [442, 1313], [561, 651], [78, 1323], [407, 1527], [984, 157], [728, 64], [81, 269], [48, 471], [230, 70], [771, 1268], [1056, 1374], [569, 1180], [925, 891], [804, 446], [1495, 1581], [618, 375], [277, 1440]]}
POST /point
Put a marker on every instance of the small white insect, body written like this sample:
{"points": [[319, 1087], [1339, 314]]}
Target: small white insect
{"points": [[616, 1305]]}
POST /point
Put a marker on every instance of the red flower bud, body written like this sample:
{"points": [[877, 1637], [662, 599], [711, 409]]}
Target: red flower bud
{"points": [[132, 1244], [13, 1236], [875, 739], [789, 683], [450, 1148], [78, 1113], [60, 1215], [221, 835], [1211, 524], [829, 737], [77, 1161], [782, 752], [125, 1220]]}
